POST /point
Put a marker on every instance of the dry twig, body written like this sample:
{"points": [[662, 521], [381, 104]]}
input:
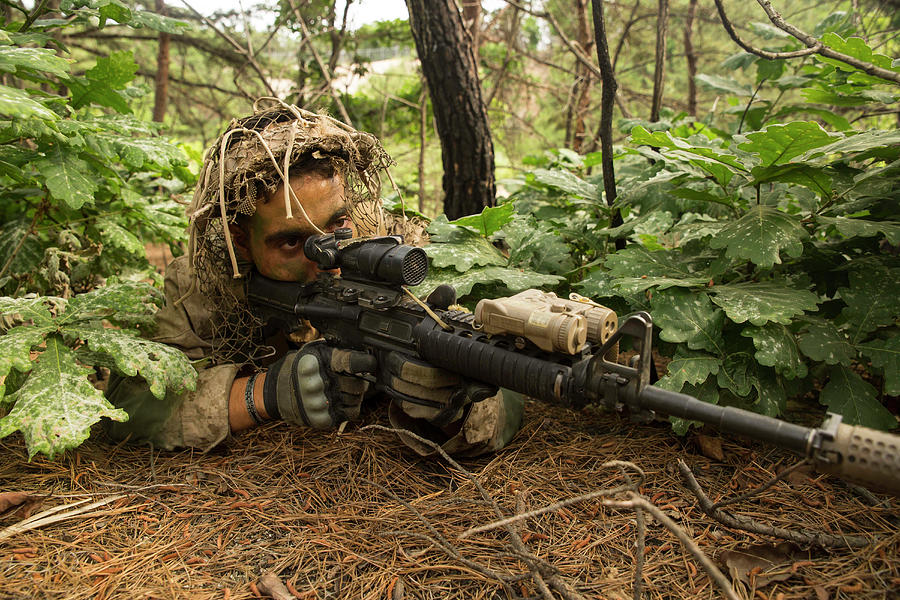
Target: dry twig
{"points": [[729, 520]]}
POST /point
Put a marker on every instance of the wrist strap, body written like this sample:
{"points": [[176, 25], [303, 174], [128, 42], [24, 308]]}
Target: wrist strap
{"points": [[248, 400]]}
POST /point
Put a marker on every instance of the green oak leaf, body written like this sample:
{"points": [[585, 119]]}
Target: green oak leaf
{"points": [[634, 285], [138, 152], [689, 367], [35, 310], [815, 178], [695, 226], [56, 406], [638, 261], [32, 59], [115, 235], [760, 235], [855, 47], [477, 251], [18, 104], [776, 347], [760, 303], [871, 299], [852, 227], [568, 182], [124, 303], [440, 230], [112, 9], [830, 98], [724, 84], [513, 279], [824, 343], [885, 354], [771, 399], [15, 350], [685, 316], [159, 23], [489, 220], [102, 82], [163, 367], [738, 373], [848, 395], [68, 178], [535, 245], [854, 144], [778, 144], [699, 151]]}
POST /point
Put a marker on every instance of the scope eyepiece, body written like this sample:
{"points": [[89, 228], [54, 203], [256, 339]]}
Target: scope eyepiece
{"points": [[381, 259]]}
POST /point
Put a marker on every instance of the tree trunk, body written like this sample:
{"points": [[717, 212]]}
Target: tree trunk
{"points": [[662, 29], [471, 14], [691, 57], [161, 95], [582, 100], [337, 37], [448, 64]]}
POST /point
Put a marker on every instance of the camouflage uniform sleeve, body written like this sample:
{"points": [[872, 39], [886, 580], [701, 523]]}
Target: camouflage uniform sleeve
{"points": [[197, 419]]}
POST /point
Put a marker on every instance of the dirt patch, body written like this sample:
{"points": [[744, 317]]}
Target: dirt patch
{"points": [[356, 515]]}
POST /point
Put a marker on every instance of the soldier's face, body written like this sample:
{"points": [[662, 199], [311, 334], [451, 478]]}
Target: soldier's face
{"points": [[275, 244]]}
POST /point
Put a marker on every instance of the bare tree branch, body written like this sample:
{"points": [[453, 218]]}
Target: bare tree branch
{"points": [[628, 25], [240, 49], [326, 74], [759, 51], [226, 54], [578, 52], [813, 46]]}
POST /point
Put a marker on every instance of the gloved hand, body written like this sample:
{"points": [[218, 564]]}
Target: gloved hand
{"points": [[428, 392], [315, 385]]}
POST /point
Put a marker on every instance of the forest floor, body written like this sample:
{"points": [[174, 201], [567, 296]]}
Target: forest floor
{"points": [[356, 515]]}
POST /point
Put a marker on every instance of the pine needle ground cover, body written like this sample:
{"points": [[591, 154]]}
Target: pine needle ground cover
{"points": [[355, 515]]}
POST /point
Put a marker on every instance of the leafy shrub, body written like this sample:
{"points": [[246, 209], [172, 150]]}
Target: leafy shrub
{"points": [[768, 259], [85, 186]]}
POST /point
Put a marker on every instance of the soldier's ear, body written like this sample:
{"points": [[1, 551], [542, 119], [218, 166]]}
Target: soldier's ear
{"points": [[240, 239]]}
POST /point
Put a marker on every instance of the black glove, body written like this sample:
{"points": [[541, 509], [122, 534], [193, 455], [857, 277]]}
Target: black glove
{"points": [[428, 392], [318, 385]]}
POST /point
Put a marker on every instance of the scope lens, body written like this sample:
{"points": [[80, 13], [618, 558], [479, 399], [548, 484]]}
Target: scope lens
{"points": [[404, 264]]}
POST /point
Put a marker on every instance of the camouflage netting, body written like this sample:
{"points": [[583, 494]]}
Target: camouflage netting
{"points": [[248, 163]]}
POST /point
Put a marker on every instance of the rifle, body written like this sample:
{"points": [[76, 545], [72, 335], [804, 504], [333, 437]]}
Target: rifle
{"points": [[558, 351]]}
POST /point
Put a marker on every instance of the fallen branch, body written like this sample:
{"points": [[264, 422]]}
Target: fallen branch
{"points": [[823, 540]]}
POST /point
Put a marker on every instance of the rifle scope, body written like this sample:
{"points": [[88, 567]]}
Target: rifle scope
{"points": [[378, 259]]}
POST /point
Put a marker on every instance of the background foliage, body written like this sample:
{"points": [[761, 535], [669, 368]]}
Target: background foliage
{"points": [[85, 185], [766, 251]]}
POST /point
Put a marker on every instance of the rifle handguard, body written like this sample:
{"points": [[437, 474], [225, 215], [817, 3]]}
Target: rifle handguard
{"points": [[861, 454]]}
